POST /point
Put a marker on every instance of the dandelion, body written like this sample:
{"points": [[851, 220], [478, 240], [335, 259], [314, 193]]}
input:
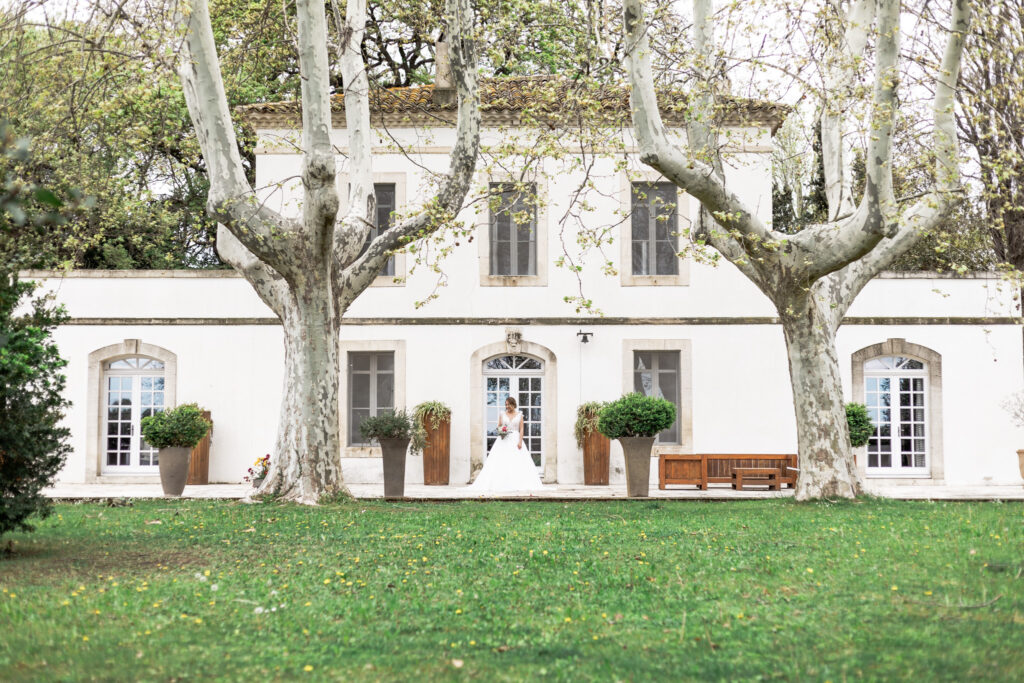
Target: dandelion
{"points": [[810, 571], [258, 610], [307, 668]]}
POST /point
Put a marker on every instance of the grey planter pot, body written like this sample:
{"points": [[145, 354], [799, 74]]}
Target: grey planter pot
{"points": [[174, 469], [637, 451], [394, 451]]}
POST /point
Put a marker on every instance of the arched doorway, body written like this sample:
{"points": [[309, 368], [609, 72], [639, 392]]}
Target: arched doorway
{"points": [[522, 378], [490, 366]]}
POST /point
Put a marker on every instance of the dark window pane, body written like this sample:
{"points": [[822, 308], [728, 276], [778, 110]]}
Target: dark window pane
{"points": [[386, 362], [667, 263], [359, 361], [385, 392], [641, 258], [361, 391]]}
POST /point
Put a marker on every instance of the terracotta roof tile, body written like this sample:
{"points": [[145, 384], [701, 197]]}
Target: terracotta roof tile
{"points": [[514, 100]]}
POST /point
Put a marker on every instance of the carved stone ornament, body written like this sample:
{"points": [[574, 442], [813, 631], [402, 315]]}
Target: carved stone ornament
{"points": [[513, 339]]}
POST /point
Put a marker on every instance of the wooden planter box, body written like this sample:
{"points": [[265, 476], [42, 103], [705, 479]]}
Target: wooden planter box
{"points": [[436, 454], [596, 450], [199, 464]]}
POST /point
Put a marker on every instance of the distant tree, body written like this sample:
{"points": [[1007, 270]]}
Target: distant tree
{"points": [[33, 444]]}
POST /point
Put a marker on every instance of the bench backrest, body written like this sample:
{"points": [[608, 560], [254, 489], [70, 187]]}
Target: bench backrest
{"points": [[720, 465]]}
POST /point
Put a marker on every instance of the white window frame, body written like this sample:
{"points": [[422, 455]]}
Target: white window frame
{"points": [[515, 373], [541, 234], [683, 223], [935, 473], [136, 407], [96, 403], [894, 375]]}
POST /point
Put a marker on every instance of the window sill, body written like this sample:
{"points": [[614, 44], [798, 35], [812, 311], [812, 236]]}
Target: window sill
{"points": [[679, 280], [513, 281], [387, 281]]}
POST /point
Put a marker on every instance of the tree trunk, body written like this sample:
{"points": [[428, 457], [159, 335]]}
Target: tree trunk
{"points": [[826, 462], [307, 462]]}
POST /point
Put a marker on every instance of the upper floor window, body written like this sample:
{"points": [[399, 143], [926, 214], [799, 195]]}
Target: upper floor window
{"points": [[385, 194], [513, 229], [371, 389], [134, 389], [895, 391], [656, 373], [655, 226]]}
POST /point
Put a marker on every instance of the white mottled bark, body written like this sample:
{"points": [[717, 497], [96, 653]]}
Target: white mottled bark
{"points": [[812, 277], [309, 270]]}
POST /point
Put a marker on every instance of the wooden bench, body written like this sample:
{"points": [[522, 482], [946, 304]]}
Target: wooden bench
{"points": [[701, 469], [756, 476]]}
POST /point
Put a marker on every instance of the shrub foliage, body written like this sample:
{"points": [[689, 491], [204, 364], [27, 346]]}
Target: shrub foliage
{"points": [[861, 427], [636, 415], [181, 427], [587, 416], [396, 425], [33, 445]]}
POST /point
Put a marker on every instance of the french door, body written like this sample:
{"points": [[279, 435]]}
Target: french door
{"points": [[134, 389], [896, 390], [522, 378]]}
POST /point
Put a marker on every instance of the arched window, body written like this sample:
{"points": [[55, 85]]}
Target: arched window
{"points": [[901, 385], [127, 382], [134, 388]]}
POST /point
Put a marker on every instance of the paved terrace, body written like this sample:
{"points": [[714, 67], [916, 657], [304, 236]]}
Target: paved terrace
{"points": [[550, 492]]}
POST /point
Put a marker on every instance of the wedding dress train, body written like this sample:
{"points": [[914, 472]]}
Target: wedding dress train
{"points": [[508, 467]]}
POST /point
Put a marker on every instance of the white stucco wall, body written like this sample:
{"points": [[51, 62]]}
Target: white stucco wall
{"points": [[229, 357]]}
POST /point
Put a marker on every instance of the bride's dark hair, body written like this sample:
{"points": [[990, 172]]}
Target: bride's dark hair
{"points": [[512, 401]]}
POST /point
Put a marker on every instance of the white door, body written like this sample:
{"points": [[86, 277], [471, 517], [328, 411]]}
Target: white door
{"points": [[896, 390], [522, 378], [134, 389]]}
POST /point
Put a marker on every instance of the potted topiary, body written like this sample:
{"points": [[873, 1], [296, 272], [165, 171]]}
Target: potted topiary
{"points": [[635, 421], [596, 446], [396, 432], [175, 432], [435, 418]]}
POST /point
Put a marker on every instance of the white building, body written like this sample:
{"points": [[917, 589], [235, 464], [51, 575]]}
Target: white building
{"points": [[944, 352]]}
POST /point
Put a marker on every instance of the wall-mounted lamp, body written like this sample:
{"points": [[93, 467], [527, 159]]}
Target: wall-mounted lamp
{"points": [[584, 336]]}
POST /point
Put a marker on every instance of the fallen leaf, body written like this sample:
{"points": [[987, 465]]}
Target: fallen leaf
{"points": [[153, 521]]}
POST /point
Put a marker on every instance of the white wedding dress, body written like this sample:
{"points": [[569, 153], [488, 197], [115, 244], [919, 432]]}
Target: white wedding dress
{"points": [[508, 467]]}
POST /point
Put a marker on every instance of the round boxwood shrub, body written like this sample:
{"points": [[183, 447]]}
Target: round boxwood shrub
{"points": [[181, 427], [861, 427], [396, 425], [636, 415]]}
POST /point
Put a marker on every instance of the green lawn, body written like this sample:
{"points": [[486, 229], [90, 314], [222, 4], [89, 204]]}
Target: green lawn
{"points": [[503, 590]]}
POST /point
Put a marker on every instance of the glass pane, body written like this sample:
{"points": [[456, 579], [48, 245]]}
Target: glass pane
{"points": [[668, 384], [668, 360], [146, 398], [883, 384], [918, 414], [535, 383], [641, 258], [918, 384], [112, 413], [642, 360], [502, 264], [904, 384], [147, 383], [524, 384], [526, 255], [667, 263], [535, 398], [884, 363], [918, 429], [158, 383], [532, 364], [358, 415], [361, 391], [386, 391], [359, 361], [386, 362], [158, 399]]}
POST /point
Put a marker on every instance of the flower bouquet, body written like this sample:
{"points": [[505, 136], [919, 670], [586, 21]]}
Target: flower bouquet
{"points": [[258, 472], [503, 431]]}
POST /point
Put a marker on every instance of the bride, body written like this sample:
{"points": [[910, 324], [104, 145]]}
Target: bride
{"points": [[509, 466]]}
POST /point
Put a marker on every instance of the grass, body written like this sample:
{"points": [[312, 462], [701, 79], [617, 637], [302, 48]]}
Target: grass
{"points": [[500, 590]]}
